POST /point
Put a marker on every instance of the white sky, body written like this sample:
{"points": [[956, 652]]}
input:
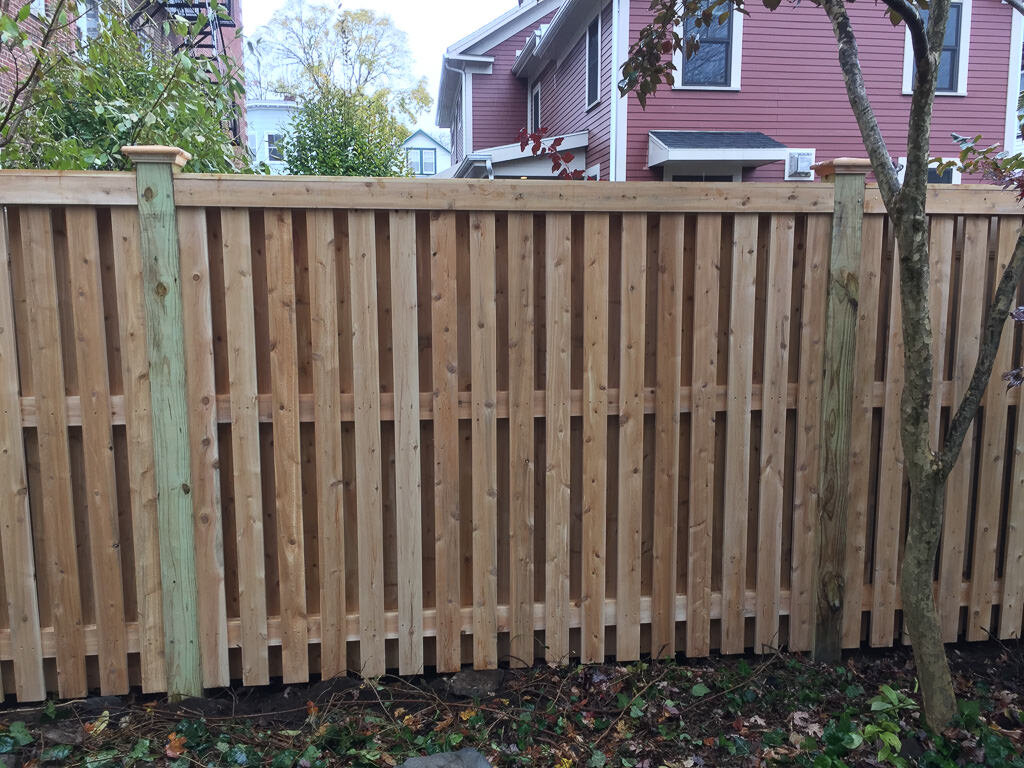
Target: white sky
{"points": [[430, 25]]}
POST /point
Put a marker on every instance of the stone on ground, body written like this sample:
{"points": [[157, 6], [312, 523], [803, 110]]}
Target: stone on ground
{"points": [[464, 758], [476, 684]]}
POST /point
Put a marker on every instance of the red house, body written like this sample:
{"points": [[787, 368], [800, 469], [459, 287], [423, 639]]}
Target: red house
{"points": [[762, 99]]}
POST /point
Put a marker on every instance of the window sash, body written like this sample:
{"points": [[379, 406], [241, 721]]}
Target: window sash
{"points": [[593, 62], [428, 158], [273, 151], [948, 76], [415, 159], [714, 41]]}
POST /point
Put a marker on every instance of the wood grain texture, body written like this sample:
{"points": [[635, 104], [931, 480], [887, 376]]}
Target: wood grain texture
{"points": [[202, 398], [483, 370], [958, 486], [323, 293], [521, 329], [139, 428], [284, 384], [366, 377], [405, 344], [702, 433], [558, 319], [98, 447], [737, 429], [631, 435], [773, 432], [595, 434], [57, 515], [15, 516], [808, 428], [245, 453]]}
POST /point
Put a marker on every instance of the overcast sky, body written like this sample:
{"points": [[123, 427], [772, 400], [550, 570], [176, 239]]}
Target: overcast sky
{"points": [[430, 25]]}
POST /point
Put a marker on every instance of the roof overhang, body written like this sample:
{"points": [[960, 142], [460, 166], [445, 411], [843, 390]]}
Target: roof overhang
{"points": [[558, 36], [512, 161], [660, 152], [453, 68]]}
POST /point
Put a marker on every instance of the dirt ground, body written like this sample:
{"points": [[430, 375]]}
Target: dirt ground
{"points": [[757, 710]]}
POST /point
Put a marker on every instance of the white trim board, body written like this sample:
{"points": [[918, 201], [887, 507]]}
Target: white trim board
{"points": [[1010, 140]]}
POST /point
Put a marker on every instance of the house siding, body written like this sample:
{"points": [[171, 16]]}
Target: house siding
{"points": [[499, 99], [792, 87], [563, 95]]}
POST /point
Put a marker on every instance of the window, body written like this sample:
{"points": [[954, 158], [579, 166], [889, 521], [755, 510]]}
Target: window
{"points": [[88, 22], [952, 75], [949, 176], [703, 177], [716, 63], [535, 109], [274, 153], [422, 161], [38, 8], [594, 62]]}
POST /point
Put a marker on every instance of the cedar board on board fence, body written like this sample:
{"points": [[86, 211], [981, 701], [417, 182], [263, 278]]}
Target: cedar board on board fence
{"points": [[444, 422]]}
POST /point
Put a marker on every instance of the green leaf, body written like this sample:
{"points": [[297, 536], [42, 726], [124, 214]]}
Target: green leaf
{"points": [[597, 759], [699, 690], [101, 759], [20, 733], [26, 9], [891, 695], [56, 754]]}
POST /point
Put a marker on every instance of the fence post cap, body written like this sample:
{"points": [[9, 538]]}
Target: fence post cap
{"points": [[843, 165], [156, 153]]}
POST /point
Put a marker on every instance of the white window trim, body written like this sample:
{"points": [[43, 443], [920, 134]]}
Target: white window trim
{"points": [[593, 172], [1012, 142], [957, 176], [735, 60], [586, 80], [961, 68], [535, 89]]}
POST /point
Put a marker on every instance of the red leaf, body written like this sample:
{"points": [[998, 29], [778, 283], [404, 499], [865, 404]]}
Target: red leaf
{"points": [[175, 745], [568, 157]]}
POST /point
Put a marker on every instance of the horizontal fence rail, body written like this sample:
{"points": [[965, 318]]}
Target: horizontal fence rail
{"points": [[436, 423]]}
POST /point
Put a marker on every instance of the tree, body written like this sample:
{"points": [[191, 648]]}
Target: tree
{"points": [[649, 64], [336, 134], [117, 92]]}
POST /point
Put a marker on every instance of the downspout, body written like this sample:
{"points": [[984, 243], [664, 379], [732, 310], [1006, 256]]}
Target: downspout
{"points": [[462, 81], [613, 147]]}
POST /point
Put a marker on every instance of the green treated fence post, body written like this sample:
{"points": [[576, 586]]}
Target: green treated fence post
{"points": [[161, 279], [837, 400]]}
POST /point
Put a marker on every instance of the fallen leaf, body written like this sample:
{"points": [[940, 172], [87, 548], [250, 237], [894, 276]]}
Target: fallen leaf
{"points": [[388, 759], [467, 714], [98, 725], [175, 745], [312, 710], [443, 724]]}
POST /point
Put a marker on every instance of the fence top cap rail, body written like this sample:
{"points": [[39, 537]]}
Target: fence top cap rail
{"points": [[156, 153], [830, 168]]}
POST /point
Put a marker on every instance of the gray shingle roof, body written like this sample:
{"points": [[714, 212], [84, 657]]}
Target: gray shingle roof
{"points": [[716, 140]]}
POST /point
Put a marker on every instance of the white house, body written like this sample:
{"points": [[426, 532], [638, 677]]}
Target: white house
{"points": [[427, 156], [266, 120]]}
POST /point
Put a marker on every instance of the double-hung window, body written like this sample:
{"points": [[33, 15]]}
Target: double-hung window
{"points": [[594, 62], [535, 109], [716, 62], [422, 161], [274, 153], [951, 79]]}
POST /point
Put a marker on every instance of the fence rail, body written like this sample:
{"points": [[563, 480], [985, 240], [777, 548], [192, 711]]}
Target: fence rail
{"points": [[442, 422]]}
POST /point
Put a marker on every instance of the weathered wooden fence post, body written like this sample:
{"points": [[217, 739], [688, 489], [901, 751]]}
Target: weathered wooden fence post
{"points": [[161, 278], [837, 399]]}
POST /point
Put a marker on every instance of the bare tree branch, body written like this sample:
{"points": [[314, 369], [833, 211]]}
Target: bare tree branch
{"points": [[993, 330], [849, 61], [914, 23]]}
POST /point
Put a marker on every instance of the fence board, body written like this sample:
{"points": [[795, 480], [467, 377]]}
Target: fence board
{"points": [[773, 432], [202, 396], [405, 341], [888, 518], [284, 374], [666, 426], [1011, 609], [702, 434], [558, 319], [595, 433], [958, 486], [98, 447], [245, 443], [521, 437], [15, 514], [991, 471], [805, 482], [58, 526]]}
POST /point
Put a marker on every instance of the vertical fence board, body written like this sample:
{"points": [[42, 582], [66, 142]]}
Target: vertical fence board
{"points": [[668, 368], [323, 293], [958, 486], [245, 443], [139, 427], [595, 433], [15, 518], [805, 482], [558, 319], [366, 379], [888, 518], [405, 342], [98, 448], [773, 432], [737, 435], [202, 398], [631, 435], [58, 529], [521, 330], [444, 328], [940, 251], [484, 447], [990, 477], [702, 433], [284, 375]]}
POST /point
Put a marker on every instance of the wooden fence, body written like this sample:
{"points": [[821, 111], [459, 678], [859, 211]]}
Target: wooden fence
{"points": [[432, 422]]}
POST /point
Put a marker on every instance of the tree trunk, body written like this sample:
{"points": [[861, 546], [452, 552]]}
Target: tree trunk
{"points": [[927, 495]]}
